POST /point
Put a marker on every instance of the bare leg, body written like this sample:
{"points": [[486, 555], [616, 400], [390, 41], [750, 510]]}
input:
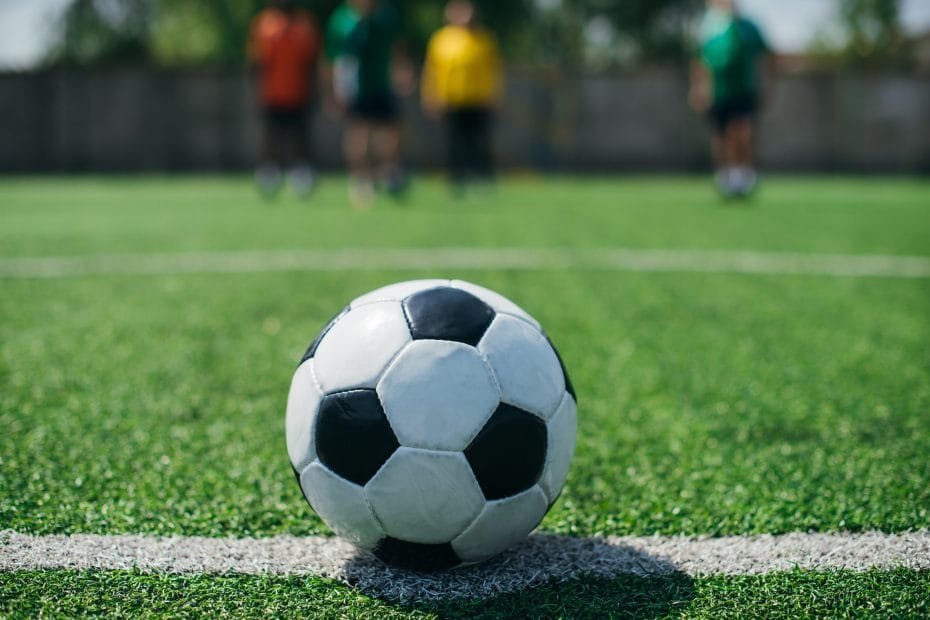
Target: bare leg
{"points": [[301, 175], [741, 137], [268, 175], [356, 144], [719, 145], [386, 146], [740, 155], [355, 148]]}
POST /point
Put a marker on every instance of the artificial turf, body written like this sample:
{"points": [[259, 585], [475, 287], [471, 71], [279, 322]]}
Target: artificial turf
{"points": [[798, 594], [709, 403], [51, 216]]}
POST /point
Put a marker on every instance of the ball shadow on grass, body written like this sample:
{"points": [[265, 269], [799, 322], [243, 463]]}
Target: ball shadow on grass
{"points": [[546, 575]]}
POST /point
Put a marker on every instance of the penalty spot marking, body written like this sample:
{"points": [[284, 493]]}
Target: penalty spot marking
{"points": [[543, 558], [620, 259]]}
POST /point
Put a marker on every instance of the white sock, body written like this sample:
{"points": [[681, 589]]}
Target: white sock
{"points": [[361, 193]]}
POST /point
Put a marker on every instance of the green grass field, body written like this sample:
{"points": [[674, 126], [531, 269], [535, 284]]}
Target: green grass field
{"points": [[710, 403]]}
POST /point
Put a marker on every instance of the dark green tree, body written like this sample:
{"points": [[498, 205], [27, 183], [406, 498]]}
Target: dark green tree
{"points": [[103, 31], [654, 31], [93, 32], [216, 31], [875, 36]]}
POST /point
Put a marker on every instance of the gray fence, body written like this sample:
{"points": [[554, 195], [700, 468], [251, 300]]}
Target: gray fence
{"points": [[135, 120]]}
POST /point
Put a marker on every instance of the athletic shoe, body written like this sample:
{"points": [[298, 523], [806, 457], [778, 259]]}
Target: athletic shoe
{"points": [[396, 182], [302, 179], [723, 179], [269, 179], [746, 180]]}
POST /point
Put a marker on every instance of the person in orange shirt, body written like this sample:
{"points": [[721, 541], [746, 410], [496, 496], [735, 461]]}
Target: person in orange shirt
{"points": [[462, 83], [285, 46]]}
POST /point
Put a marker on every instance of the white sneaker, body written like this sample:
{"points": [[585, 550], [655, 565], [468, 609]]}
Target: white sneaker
{"points": [[723, 179], [747, 180], [302, 179], [396, 181], [269, 178]]}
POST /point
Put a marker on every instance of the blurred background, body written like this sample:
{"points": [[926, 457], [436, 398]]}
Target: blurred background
{"points": [[592, 85]]}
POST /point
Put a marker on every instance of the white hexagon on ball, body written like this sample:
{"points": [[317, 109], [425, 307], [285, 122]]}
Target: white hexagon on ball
{"points": [[303, 402], [525, 364], [423, 496], [438, 394], [561, 430], [360, 345], [341, 504], [501, 524]]}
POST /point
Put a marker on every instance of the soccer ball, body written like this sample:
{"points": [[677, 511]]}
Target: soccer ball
{"points": [[431, 423]]}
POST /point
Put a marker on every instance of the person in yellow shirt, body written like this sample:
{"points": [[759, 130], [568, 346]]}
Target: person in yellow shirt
{"points": [[462, 84]]}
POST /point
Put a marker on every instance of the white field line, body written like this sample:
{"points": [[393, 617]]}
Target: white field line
{"points": [[776, 263], [541, 559]]}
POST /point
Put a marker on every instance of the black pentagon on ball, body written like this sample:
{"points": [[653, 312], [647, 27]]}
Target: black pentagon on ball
{"points": [[353, 435], [446, 313], [508, 455], [568, 382], [416, 556], [311, 350]]}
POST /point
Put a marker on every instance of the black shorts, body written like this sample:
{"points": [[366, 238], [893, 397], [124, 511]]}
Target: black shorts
{"points": [[285, 118], [725, 112], [378, 108]]}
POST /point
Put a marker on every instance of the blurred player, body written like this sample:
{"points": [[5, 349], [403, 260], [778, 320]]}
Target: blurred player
{"points": [[285, 46], [726, 84], [362, 43], [462, 82]]}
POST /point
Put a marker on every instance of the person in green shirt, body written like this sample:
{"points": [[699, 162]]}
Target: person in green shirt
{"points": [[728, 79], [362, 43]]}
